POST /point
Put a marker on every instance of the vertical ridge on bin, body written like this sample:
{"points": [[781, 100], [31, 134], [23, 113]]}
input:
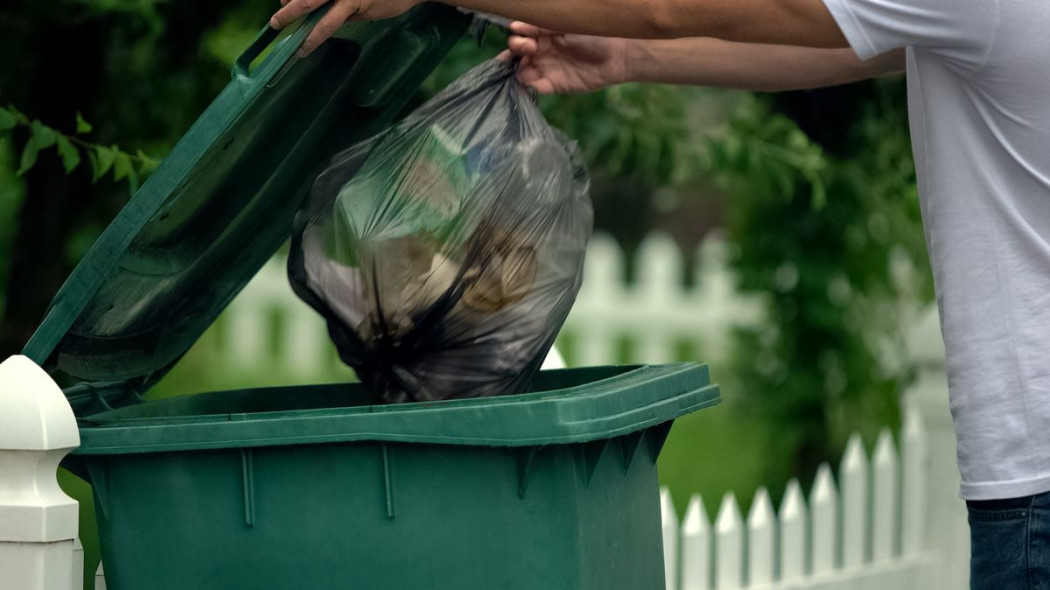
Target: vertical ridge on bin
{"points": [[526, 457], [99, 484], [629, 447], [588, 456], [657, 436], [388, 481], [248, 483]]}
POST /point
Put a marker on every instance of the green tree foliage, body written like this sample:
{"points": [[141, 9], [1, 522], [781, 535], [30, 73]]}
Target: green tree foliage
{"points": [[140, 71], [69, 149], [834, 243]]}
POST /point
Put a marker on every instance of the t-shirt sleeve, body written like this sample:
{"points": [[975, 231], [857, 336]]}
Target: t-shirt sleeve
{"points": [[961, 30]]}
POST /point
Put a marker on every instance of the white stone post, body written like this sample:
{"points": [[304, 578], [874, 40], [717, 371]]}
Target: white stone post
{"points": [[38, 522]]}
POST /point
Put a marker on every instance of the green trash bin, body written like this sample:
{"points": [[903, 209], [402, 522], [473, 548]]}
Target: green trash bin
{"points": [[312, 487]]}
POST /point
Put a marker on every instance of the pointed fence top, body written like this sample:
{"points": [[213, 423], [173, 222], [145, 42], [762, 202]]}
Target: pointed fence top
{"points": [[696, 521], [667, 513], [913, 427], [34, 414], [885, 451], [761, 513], [793, 505], [728, 518], [823, 486], [854, 458]]}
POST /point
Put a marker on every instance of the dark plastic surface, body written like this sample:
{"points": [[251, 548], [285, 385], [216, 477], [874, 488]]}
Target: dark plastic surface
{"points": [[223, 201]]}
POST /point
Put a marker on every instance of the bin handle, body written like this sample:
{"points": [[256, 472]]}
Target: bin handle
{"points": [[242, 67]]}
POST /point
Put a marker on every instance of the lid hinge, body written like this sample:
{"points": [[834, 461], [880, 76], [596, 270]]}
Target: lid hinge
{"points": [[92, 398]]}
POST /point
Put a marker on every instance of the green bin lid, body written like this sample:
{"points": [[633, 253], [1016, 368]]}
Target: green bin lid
{"points": [[223, 200]]}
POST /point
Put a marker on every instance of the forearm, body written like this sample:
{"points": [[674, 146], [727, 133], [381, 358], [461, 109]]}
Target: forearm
{"points": [[749, 66], [791, 22]]}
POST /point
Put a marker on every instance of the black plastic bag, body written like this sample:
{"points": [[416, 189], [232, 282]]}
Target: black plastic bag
{"points": [[446, 252]]}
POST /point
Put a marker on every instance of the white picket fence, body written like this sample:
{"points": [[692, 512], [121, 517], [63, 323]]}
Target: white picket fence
{"points": [[891, 522], [867, 531], [655, 314]]}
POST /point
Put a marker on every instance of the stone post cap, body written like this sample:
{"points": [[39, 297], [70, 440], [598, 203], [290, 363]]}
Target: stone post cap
{"points": [[34, 414]]}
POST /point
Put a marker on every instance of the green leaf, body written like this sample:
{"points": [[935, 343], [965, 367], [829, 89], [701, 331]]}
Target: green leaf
{"points": [[102, 161], [82, 125], [7, 120], [29, 155], [17, 114], [122, 166], [69, 153], [146, 163], [133, 182], [41, 137], [44, 135]]}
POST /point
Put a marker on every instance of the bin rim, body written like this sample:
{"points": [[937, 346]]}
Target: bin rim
{"points": [[620, 401]]}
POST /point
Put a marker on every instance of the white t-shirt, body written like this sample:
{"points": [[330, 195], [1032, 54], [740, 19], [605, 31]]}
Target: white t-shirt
{"points": [[979, 98]]}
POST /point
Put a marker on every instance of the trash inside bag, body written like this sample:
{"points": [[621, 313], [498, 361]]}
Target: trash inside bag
{"points": [[446, 252]]}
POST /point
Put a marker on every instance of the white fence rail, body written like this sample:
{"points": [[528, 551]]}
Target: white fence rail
{"points": [[890, 521]]}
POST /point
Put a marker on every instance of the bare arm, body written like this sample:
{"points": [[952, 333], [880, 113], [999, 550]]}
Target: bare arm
{"points": [[750, 66], [784, 22], [804, 23], [563, 63]]}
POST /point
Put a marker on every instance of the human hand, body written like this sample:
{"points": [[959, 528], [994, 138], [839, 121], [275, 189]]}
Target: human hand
{"points": [[340, 12], [556, 63]]}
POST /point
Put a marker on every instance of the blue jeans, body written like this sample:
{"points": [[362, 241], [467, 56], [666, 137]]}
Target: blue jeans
{"points": [[1010, 543]]}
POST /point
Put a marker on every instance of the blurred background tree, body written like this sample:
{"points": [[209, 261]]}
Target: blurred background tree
{"points": [[815, 190]]}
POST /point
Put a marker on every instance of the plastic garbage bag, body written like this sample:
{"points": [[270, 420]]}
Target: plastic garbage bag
{"points": [[446, 252]]}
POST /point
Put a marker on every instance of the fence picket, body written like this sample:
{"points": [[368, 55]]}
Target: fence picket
{"points": [[823, 513], [729, 545], [853, 479], [100, 578], [659, 291], [305, 350], [669, 523], [761, 539], [884, 498], [77, 583], [913, 474], [696, 547], [792, 519], [601, 297], [246, 322]]}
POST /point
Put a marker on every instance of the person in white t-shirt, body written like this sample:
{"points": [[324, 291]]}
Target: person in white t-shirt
{"points": [[979, 93]]}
